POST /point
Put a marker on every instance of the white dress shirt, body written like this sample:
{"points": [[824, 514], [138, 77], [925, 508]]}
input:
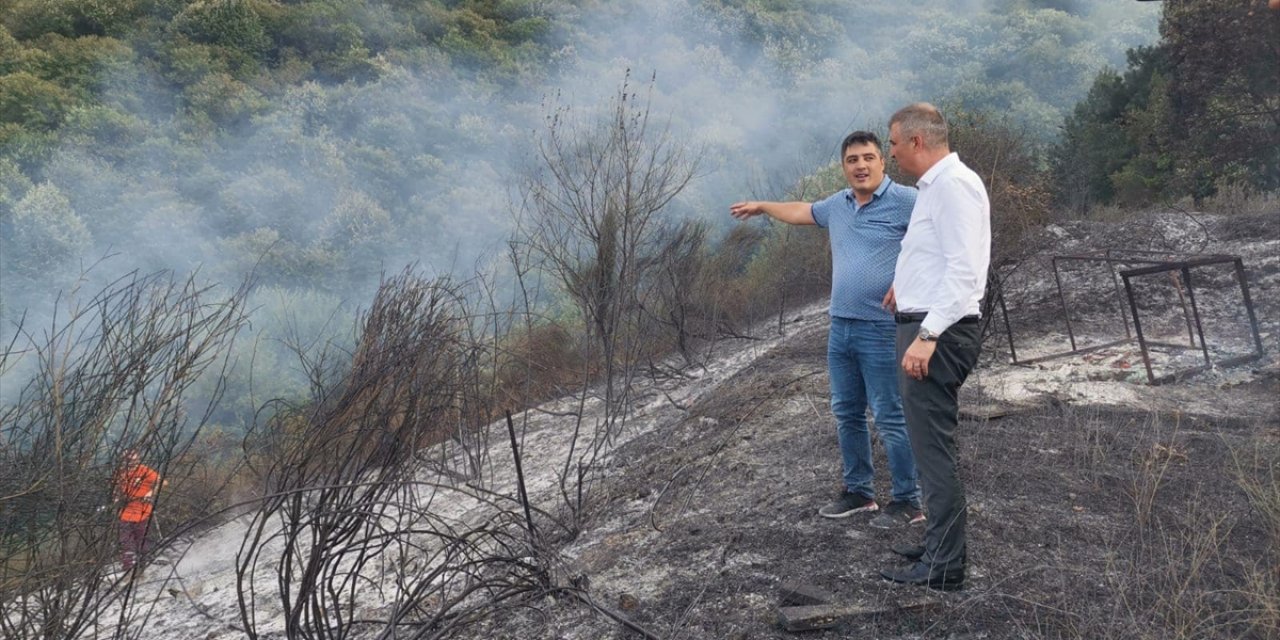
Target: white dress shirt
{"points": [[942, 269]]}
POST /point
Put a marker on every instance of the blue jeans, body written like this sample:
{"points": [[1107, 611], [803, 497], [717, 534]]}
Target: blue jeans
{"points": [[863, 364]]}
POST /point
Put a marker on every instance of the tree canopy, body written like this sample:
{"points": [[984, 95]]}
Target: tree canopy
{"points": [[1197, 111], [320, 142]]}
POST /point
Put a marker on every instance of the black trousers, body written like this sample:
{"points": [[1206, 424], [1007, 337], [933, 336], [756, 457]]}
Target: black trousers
{"points": [[932, 412]]}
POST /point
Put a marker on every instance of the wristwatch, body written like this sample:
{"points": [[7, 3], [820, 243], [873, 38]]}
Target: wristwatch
{"points": [[927, 335]]}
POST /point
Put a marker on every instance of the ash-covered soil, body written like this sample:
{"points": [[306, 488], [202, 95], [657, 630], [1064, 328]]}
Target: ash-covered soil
{"points": [[1099, 506], [1084, 521]]}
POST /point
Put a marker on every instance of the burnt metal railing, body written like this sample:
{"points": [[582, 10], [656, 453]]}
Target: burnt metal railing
{"points": [[1125, 265]]}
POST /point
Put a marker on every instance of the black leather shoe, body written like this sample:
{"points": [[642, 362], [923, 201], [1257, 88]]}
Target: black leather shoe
{"points": [[908, 551], [919, 573]]}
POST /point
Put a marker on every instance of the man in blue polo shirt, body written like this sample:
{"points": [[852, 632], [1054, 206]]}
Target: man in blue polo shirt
{"points": [[866, 223]]}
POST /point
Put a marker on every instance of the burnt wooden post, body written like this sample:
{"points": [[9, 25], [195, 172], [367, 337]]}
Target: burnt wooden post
{"points": [[811, 608]]}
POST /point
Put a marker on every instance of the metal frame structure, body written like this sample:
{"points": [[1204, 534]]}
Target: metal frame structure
{"points": [[1147, 263]]}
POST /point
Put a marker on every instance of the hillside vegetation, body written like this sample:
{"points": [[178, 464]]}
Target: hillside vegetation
{"points": [[318, 142]]}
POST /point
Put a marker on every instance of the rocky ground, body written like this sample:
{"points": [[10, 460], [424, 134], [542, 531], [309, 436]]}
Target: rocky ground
{"points": [[1100, 506]]}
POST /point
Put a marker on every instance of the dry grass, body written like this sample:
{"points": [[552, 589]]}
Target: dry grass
{"points": [[1182, 559], [1257, 472], [1239, 199], [1102, 523]]}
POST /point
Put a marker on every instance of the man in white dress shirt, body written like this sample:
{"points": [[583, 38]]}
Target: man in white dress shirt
{"points": [[938, 282]]}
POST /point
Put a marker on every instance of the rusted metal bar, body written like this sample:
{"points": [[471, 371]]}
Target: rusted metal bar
{"points": [[1136, 256], [1248, 305], [1202, 261], [1066, 313], [1195, 312], [1105, 257], [1115, 281], [1137, 327], [1182, 300], [1054, 356], [1176, 346], [1184, 373], [1008, 326]]}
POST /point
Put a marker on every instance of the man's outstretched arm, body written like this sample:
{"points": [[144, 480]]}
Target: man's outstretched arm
{"points": [[788, 212]]}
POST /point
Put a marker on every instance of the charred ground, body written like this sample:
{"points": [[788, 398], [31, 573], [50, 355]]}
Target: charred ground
{"points": [[1151, 516], [1100, 506]]}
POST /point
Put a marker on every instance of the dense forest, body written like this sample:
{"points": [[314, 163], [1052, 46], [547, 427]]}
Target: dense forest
{"points": [[324, 141]]}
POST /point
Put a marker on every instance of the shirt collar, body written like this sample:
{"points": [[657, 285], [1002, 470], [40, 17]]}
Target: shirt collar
{"points": [[884, 186], [950, 160]]}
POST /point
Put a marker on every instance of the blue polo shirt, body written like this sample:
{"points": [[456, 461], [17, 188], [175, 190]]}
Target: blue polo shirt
{"points": [[864, 247]]}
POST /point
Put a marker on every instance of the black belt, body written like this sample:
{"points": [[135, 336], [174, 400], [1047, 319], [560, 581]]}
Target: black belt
{"points": [[908, 318]]}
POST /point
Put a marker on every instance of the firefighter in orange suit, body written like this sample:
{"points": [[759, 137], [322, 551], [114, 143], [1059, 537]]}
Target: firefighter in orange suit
{"points": [[136, 486]]}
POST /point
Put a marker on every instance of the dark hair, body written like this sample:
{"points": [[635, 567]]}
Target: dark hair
{"points": [[859, 137]]}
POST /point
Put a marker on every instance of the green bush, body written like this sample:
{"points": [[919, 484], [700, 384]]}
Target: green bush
{"points": [[278, 260], [791, 267], [538, 363], [187, 62], [32, 103], [47, 233], [112, 131], [233, 25], [227, 102], [11, 52], [27, 19]]}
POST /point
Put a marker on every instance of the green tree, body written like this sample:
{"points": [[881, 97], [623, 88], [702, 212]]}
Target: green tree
{"points": [[356, 220], [225, 101], [1146, 175], [358, 230], [1098, 141], [112, 130], [327, 33], [11, 52], [13, 186], [233, 25], [72, 18], [47, 233], [31, 18], [1198, 110], [32, 103], [1224, 93], [278, 260]]}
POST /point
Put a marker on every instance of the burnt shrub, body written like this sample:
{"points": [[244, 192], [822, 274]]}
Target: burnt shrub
{"points": [[537, 363]]}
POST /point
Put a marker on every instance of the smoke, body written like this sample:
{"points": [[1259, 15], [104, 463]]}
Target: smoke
{"points": [[324, 187]]}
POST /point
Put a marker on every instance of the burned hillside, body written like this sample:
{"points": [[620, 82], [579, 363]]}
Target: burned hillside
{"points": [[1100, 505]]}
